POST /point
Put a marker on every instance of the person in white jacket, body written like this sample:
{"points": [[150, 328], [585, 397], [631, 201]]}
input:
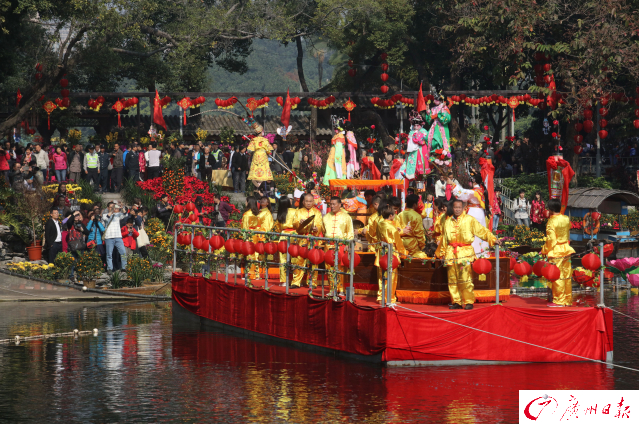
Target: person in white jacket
{"points": [[476, 204]]}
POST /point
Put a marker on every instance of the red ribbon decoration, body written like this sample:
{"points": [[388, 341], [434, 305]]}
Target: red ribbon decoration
{"points": [[552, 163]]}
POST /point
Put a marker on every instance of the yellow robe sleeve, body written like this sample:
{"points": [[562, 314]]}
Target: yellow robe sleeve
{"points": [[249, 221], [387, 233], [551, 238], [483, 233], [265, 220]]}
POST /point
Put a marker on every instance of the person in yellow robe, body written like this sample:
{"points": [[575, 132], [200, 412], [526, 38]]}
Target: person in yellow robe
{"points": [[284, 224], [387, 232], [265, 224], [305, 211], [250, 222], [260, 170], [337, 224], [458, 234], [413, 234], [558, 250], [370, 229]]}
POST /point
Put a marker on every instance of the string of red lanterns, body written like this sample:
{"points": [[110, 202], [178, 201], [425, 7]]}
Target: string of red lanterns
{"points": [[321, 104]]}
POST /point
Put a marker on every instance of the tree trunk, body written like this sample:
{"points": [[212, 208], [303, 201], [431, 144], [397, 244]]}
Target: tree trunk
{"points": [[380, 125], [32, 100], [313, 130], [300, 65]]}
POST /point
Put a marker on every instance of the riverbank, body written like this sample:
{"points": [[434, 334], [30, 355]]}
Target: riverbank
{"points": [[14, 288]]}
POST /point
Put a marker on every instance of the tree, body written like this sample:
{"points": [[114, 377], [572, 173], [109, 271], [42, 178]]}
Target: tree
{"points": [[151, 41]]}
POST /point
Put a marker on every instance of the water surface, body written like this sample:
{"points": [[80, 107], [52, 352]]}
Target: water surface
{"points": [[142, 368]]}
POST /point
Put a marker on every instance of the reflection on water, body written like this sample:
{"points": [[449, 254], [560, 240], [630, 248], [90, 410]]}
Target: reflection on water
{"points": [[148, 370]]}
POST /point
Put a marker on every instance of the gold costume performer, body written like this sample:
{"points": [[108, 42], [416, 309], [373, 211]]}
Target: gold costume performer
{"points": [[458, 234], [387, 232], [260, 169], [302, 214], [287, 228], [337, 225], [558, 250], [264, 223], [371, 230], [415, 240]]}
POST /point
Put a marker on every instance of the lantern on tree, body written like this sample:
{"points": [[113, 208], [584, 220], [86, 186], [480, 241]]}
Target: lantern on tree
{"points": [[185, 103], [118, 106], [49, 107]]}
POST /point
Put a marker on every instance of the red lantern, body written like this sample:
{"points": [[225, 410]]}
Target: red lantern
{"points": [[352, 72], [608, 249], [383, 262], [329, 257], [38, 76], [315, 256], [636, 123], [248, 248], [578, 149], [384, 89], [190, 206], [538, 268], [588, 114], [482, 266], [178, 209], [603, 123], [588, 124], [603, 111], [293, 250], [551, 272], [384, 77], [303, 252], [186, 238], [513, 262], [281, 246], [197, 241], [603, 134], [230, 246], [216, 242], [578, 126], [271, 248], [591, 262], [260, 248], [345, 261], [579, 138], [523, 268], [384, 67]]}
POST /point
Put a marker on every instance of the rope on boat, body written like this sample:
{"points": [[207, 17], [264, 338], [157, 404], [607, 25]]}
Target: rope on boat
{"points": [[515, 340], [621, 313]]}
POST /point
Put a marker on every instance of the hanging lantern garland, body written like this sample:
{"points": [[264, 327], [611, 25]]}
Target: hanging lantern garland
{"points": [[49, 107], [253, 104], [321, 104], [96, 104], [165, 101], [294, 101], [130, 102], [384, 76], [603, 112], [226, 103], [386, 103]]}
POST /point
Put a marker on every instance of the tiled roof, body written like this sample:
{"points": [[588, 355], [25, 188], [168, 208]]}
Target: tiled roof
{"points": [[214, 124]]}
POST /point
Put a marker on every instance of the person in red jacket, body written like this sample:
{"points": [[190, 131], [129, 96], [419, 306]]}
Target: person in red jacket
{"points": [[129, 236], [5, 157]]}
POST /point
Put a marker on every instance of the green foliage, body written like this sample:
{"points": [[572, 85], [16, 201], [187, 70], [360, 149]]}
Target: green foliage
{"points": [[138, 269], [601, 182], [526, 236], [89, 266], [227, 135], [632, 221], [88, 191], [63, 263], [130, 191], [528, 182]]}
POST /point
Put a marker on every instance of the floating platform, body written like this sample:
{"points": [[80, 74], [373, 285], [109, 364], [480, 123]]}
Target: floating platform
{"points": [[521, 330]]}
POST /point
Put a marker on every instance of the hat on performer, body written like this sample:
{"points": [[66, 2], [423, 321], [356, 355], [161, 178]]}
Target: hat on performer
{"points": [[416, 118], [253, 125]]}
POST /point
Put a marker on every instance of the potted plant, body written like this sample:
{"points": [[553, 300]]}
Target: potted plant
{"points": [[89, 267], [31, 206]]}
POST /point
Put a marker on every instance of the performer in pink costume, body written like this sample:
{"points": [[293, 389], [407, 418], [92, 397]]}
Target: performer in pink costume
{"points": [[353, 165]]}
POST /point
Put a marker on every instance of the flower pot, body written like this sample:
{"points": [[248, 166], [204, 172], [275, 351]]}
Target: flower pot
{"points": [[37, 243], [35, 253], [90, 284]]}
